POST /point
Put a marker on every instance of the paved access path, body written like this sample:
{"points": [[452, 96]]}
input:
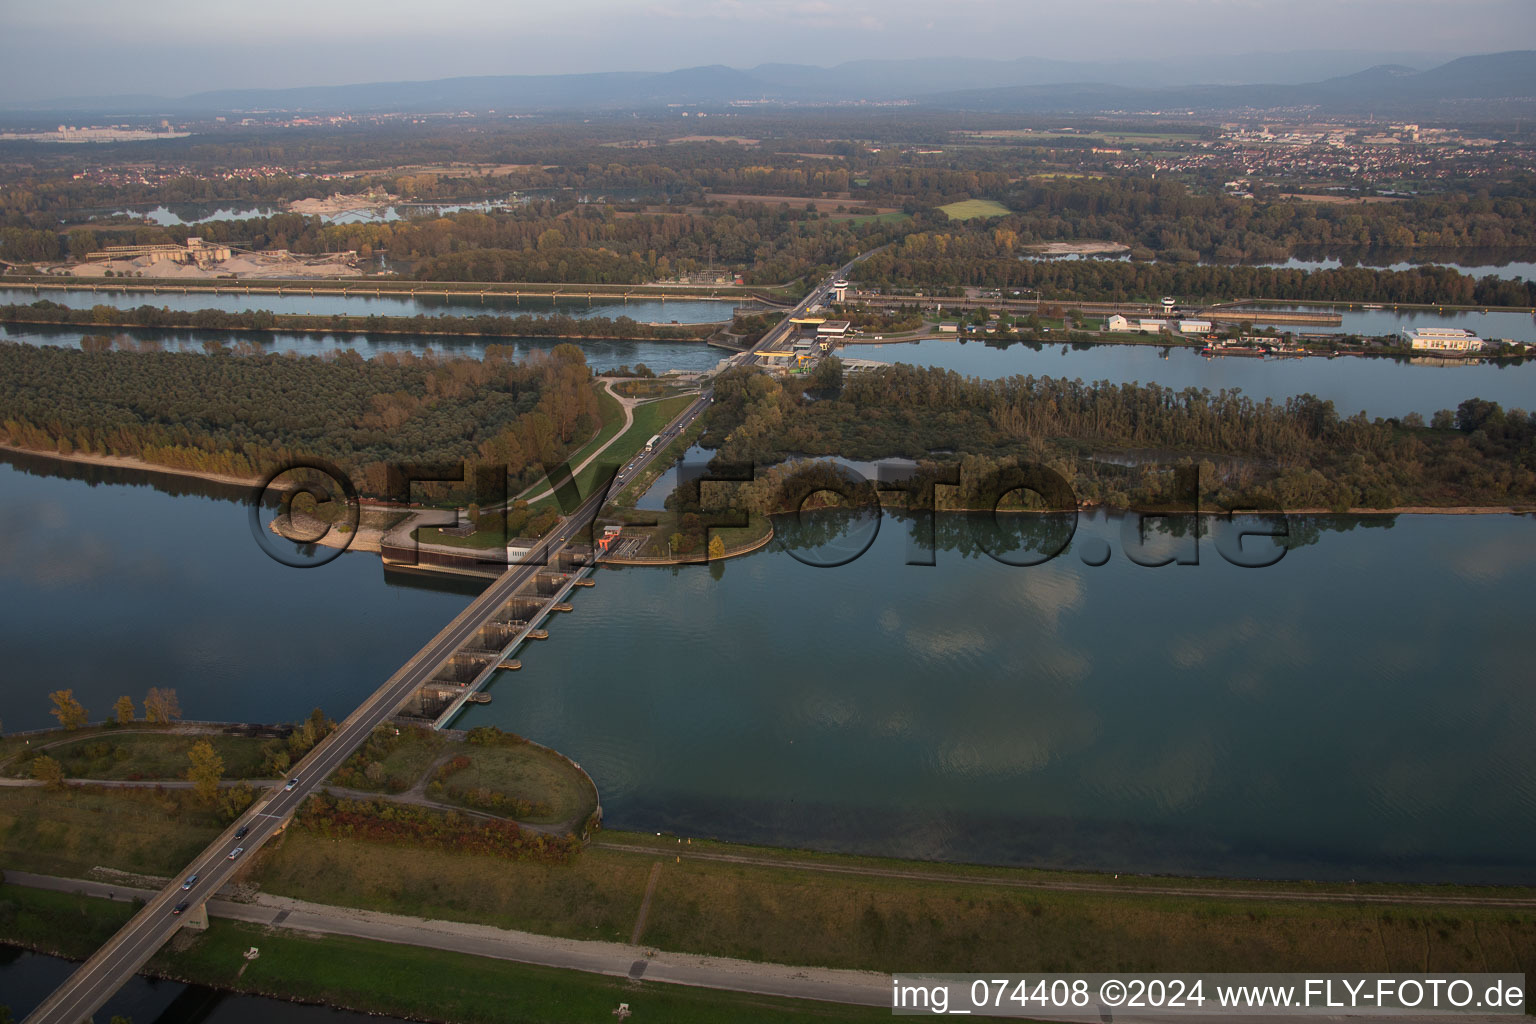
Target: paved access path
{"points": [[611, 958]]}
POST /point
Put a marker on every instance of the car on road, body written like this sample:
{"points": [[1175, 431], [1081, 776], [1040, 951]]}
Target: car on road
{"points": [[236, 852], [240, 832], [189, 883], [180, 907], [291, 783]]}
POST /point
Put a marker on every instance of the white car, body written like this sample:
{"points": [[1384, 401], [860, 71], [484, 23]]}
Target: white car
{"points": [[236, 852], [291, 783]]}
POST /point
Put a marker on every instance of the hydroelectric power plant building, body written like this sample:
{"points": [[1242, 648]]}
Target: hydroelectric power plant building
{"points": [[1442, 339]]}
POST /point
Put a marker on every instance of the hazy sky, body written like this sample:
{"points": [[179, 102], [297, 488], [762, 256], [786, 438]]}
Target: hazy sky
{"points": [[177, 47]]}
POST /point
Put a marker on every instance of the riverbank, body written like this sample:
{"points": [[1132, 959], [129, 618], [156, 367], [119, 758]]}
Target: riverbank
{"points": [[1298, 347], [381, 286], [444, 326], [369, 535]]}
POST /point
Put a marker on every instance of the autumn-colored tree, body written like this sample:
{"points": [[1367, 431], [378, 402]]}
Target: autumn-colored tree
{"points": [[161, 706], [206, 770], [233, 800], [48, 771], [716, 547], [70, 712], [124, 710]]}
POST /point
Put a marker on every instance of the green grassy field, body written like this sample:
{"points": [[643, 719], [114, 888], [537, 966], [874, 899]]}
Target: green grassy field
{"points": [[407, 760], [525, 772], [71, 831], [860, 219], [970, 209], [109, 755], [649, 421], [589, 898], [386, 978], [840, 915], [613, 420]]}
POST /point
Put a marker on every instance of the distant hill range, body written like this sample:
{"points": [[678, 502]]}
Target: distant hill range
{"points": [[1494, 85]]}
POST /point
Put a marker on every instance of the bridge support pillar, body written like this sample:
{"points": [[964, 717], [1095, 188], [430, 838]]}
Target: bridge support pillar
{"points": [[196, 918]]}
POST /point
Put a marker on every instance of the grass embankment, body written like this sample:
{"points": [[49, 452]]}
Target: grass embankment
{"points": [[385, 978], [638, 485], [647, 387], [832, 911], [134, 756], [519, 774], [613, 421], [402, 760], [806, 908], [972, 209], [70, 831], [650, 419], [592, 897]]}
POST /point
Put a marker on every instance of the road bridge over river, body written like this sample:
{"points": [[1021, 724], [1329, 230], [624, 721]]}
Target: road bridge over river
{"points": [[90, 986]]}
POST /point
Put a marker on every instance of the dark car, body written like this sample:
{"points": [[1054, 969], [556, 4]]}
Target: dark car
{"points": [[240, 832], [180, 907]]}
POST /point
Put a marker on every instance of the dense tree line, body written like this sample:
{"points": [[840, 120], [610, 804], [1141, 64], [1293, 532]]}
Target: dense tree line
{"points": [[523, 326], [1295, 454], [243, 415], [938, 261], [1165, 216]]}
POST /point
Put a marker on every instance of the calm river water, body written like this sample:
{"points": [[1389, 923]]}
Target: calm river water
{"points": [[683, 311], [26, 979], [1378, 387], [1358, 710]]}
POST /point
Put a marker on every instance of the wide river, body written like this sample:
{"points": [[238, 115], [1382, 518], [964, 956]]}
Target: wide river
{"points": [[683, 311], [1375, 386], [1358, 710], [26, 979]]}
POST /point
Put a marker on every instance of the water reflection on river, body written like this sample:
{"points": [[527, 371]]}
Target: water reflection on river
{"points": [[1358, 710]]}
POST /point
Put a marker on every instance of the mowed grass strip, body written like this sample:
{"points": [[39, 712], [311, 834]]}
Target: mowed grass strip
{"points": [[650, 419], [70, 831], [613, 420], [972, 209]]}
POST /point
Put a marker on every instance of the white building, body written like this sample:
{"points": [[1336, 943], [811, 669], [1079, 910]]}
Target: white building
{"points": [[1442, 339], [1155, 326], [1119, 323], [833, 329], [1195, 326]]}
